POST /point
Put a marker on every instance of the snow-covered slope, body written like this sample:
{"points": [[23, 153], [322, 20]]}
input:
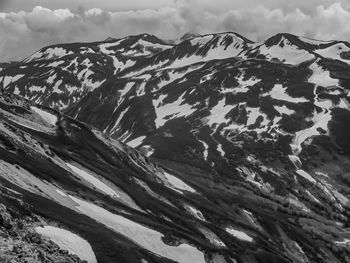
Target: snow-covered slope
{"points": [[100, 199], [58, 76], [249, 135]]}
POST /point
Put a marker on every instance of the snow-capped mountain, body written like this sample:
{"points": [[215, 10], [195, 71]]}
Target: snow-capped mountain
{"points": [[200, 101], [60, 75], [242, 148]]}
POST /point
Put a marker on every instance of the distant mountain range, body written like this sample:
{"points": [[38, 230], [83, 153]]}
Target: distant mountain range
{"points": [[241, 149]]}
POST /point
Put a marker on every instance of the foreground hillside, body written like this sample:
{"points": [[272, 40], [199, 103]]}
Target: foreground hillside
{"points": [[100, 200]]}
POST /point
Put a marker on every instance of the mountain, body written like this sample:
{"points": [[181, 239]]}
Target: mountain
{"points": [[60, 75], [210, 99], [100, 199], [189, 36], [241, 149]]}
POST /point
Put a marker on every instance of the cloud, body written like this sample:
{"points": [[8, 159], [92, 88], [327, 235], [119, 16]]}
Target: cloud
{"points": [[24, 32], [3, 3]]}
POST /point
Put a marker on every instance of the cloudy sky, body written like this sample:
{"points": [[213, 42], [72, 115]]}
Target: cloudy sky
{"points": [[27, 25]]}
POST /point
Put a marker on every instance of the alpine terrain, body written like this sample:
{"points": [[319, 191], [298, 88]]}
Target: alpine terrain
{"points": [[207, 149]]}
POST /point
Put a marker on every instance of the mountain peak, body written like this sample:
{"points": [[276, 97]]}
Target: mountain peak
{"points": [[110, 39], [189, 35]]}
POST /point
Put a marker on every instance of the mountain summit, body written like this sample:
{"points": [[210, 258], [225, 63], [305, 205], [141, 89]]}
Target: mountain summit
{"points": [[189, 35]]}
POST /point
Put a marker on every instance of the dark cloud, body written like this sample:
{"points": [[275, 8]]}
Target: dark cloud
{"points": [[3, 4], [23, 32]]}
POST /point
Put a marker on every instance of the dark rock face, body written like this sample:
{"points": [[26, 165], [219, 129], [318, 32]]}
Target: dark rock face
{"points": [[242, 148], [18, 242]]}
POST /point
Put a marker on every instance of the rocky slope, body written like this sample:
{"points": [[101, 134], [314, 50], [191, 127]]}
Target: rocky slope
{"points": [[62, 179], [243, 148], [60, 75]]}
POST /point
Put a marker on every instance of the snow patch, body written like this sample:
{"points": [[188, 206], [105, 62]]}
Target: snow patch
{"points": [[48, 117], [141, 235], [206, 148], [93, 180], [321, 77], [243, 86], [178, 184], [334, 52], [306, 175], [218, 112], [173, 110], [120, 117], [284, 110], [279, 93], [194, 212], [239, 234], [286, 52], [136, 142], [37, 89], [66, 240]]}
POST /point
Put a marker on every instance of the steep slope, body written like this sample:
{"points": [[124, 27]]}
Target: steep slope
{"points": [[253, 141], [65, 182], [203, 108], [60, 75]]}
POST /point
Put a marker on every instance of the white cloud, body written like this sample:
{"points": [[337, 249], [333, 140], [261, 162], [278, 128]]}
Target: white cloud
{"points": [[24, 32]]}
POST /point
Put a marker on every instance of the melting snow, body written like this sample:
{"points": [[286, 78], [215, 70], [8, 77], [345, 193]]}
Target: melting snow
{"points": [[16, 91], [279, 93], [221, 51], [239, 234], [345, 242], [320, 121], [50, 53], [206, 147], [218, 112], [344, 104], [212, 237], [143, 236], [66, 240], [295, 160], [51, 79], [120, 117], [141, 89], [9, 79], [177, 183], [253, 114], [284, 110], [321, 174], [60, 192], [37, 89], [104, 47], [94, 181], [124, 91], [48, 117], [306, 175], [194, 212], [289, 53], [313, 41], [220, 150], [334, 52], [166, 112], [321, 77], [136, 142], [147, 150], [56, 63], [173, 75], [243, 85]]}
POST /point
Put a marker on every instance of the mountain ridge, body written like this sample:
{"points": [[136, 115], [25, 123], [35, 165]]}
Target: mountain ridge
{"points": [[215, 149]]}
